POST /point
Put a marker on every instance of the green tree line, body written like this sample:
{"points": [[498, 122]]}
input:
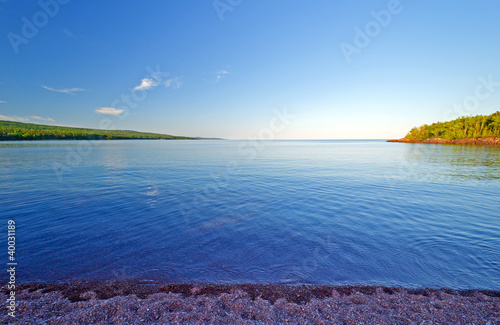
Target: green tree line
{"points": [[27, 131], [479, 126]]}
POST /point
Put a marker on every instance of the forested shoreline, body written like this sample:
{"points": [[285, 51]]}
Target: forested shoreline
{"points": [[480, 126], [12, 131]]}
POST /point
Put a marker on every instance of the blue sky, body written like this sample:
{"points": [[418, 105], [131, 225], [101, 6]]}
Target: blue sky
{"points": [[343, 69]]}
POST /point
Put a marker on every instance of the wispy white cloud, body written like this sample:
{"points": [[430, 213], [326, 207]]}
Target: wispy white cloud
{"points": [[7, 118], [2, 101], [14, 118], [42, 118], [70, 91], [67, 32], [174, 83], [146, 84], [25, 119], [157, 78], [109, 111], [221, 73]]}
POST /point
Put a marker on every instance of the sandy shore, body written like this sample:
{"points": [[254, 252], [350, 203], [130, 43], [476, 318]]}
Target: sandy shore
{"points": [[488, 141], [147, 303]]}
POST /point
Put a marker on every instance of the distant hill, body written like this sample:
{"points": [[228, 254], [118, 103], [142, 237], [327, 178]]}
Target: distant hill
{"points": [[27, 131], [480, 126]]}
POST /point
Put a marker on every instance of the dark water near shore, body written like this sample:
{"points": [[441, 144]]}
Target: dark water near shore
{"points": [[330, 212]]}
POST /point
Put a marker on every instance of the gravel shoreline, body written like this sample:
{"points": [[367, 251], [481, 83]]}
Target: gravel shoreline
{"points": [[154, 303]]}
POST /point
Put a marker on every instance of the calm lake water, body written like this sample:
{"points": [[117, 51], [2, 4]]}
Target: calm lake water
{"points": [[332, 212]]}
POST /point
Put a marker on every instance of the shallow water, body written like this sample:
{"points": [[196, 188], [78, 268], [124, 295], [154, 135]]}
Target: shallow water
{"points": [[332, 212]]}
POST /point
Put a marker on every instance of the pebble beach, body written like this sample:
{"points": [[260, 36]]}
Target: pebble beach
{"points": [[155, 303]]}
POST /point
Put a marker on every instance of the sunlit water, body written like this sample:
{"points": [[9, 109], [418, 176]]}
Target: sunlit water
{"points": [[333, 212]]}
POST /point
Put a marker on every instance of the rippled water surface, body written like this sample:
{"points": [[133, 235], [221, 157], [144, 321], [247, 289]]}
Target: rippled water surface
{"points": [[334, 212]]}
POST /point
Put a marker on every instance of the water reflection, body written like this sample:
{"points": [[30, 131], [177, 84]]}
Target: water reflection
{"points": [[451, 163]]}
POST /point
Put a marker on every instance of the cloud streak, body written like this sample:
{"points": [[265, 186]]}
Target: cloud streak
{"points": [[2, 101], [173, 83], [42, 118], [221, 73], [14, 118], [67, 32], [70, 91], [146, 84], [109, 111], [157, 78]]}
